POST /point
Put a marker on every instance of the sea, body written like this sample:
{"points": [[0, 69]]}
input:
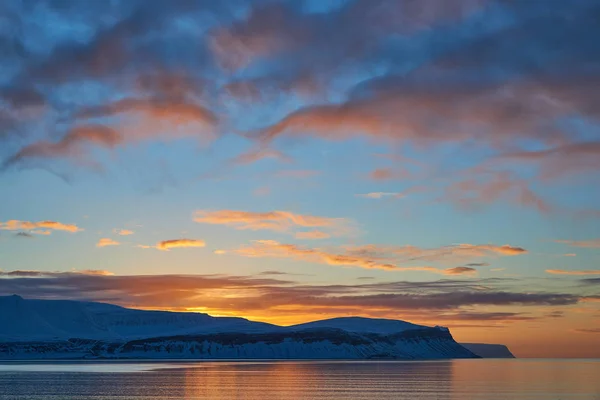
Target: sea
{"points": [[512, 379]]}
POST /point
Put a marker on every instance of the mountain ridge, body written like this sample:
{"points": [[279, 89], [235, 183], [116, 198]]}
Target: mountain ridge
{"points": [[32, 329]]}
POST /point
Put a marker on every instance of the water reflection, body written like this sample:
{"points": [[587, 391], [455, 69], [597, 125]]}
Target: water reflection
{"points": [[452, 380], [323, 380]]}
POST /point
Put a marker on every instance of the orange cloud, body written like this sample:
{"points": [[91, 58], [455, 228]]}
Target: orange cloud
{"points": [[382, 257], [107, 242], [592, 244], [481, 249], [13, 225], [93, 272], [167, 245], [564, 272], [272, 248], [123, 232], [460, 271], [312, 235], [368, 260], [280, 221]]}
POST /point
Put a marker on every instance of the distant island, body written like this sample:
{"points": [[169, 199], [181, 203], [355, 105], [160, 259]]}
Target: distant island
{"points": [[66, 329]]}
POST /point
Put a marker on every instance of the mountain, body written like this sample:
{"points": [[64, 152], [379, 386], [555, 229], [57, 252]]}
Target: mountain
{"points": [[489, 350], [23, 320], [33, 329]]}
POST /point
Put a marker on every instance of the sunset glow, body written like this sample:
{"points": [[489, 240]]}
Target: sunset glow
{"points": [[290, 161]]}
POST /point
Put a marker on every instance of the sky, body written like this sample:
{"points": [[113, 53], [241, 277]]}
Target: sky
{"points": [[286, 161]]}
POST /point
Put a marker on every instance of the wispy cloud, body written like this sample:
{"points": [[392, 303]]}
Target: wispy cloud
{"points": [[279, 221], [297, 173], [572, 272], [123, 232], [256, 154], [380, 195], [104, 242], [460, 271], [33, 227], [588, 330], [24, 235], [376, 257], [312, 235], [592, 244]]}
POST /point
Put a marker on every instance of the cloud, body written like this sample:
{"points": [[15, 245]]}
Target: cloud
{"points": [[279, 221], [588, 330], [123, 232], [491, 187], [103, 242], [273, 273], [564, 272], [167, 245], [36, 273], [555, 314], [452, 252], [220, 252], [144, 119], [481, 264], [379, 195], [32, 227], [430, 73], [447, 299], [460, 271], [560, 161], [592, 244], [297, 173], [591, 281], [322, 44], [377, 257], [257, 154], [274, 249], [24, 235], [73, 144], [381, 174], [312, 235], [94, 272]]}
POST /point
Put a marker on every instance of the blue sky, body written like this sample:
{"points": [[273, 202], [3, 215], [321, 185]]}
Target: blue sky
{"points": [[292, 147]]}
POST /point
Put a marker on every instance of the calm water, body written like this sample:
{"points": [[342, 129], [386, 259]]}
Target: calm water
{"points": [[460, 379]]}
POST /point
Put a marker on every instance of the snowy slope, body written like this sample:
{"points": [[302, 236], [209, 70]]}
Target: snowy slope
{"points": [[19, 320], [358, 324], [25, 320]]}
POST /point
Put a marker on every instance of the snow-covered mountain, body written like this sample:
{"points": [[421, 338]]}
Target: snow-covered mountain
{"points": [[74, 329], [25, 320]]}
